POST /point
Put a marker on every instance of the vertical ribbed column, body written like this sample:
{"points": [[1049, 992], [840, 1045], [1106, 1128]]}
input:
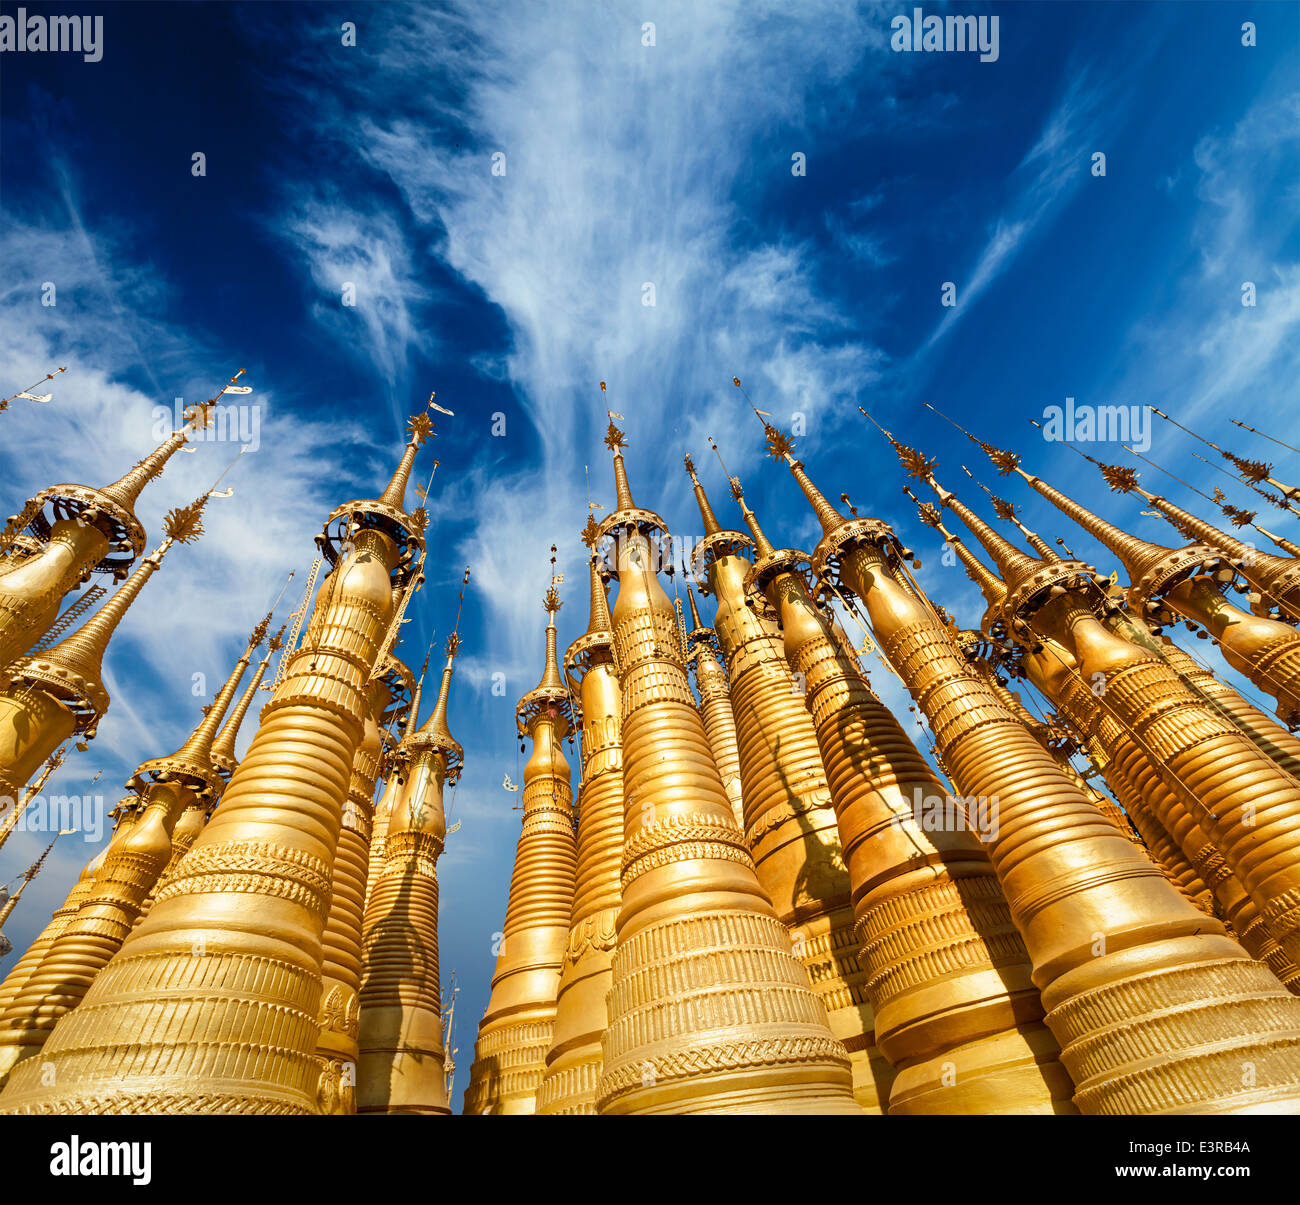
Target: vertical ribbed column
{"points": [[518, 1026], [99, 927], [232, 945], [379, 830], [22, 970], [1247, 805], [403, 1064], [1171, 833], [790, 824], [709, 1011], [402, 1067], [575, 1060], [719, 724], [341, 942], [950, 981]]}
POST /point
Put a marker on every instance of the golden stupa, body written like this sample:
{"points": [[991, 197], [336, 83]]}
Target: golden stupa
{"points": [[1072, 887]]}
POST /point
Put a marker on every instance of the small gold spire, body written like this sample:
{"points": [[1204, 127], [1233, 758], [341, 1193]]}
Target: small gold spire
{"points": [[418, 429]]}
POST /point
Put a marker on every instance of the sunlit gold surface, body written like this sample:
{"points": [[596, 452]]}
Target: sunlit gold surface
{"points": [[402, 1065], [575, 1060], [709, 1011], [517, 1029], [1104, 929], [957, 1013], [232, 947]]}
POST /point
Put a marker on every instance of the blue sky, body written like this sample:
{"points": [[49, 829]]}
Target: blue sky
{"points": [[625, 165]]}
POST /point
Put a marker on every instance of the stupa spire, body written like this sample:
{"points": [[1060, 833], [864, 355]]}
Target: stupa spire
{"points": [[711, 524], [976, 738], [1008, 512], [990, 585], [575, 1059], [223, 747], [419, 429], [197, 750], [1252, 471], [689, 888], [7, 908], [516, 1031]]}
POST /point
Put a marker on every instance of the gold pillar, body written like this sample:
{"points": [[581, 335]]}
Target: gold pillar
{"points": [[232, 945], [1107, 934], [956, 1009], [715, 709], [575, 1060], [125, 814], [709, 1009], [517, 1029], [790, 823], [341, 943], [402, 1066]]}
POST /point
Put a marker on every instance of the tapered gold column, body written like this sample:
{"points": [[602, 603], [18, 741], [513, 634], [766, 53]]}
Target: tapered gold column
{"points": [[171, 787], [340, 1011], [517, 1029], [402, 1066], [1166, 583], [715, 709], [85, 530], [211, 1004], [790, 824], [392, 767], [956, 1009], [125, 814], [709, 1011], [1108, 936], [575, 1060], [1247, 804]]}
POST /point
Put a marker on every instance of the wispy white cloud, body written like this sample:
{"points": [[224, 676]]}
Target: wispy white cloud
{"points": [[615, 189], [1048, 174]]}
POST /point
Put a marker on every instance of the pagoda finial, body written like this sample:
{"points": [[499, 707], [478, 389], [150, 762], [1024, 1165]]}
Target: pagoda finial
{"points": [[419, 429], [762, 545], [435, 727], [1008, 512], [991, 586], [600, 618], [125, 491], [616, 441], [1009, 559], [195, 755], [696, 621], [711, 524], [222, 753], [1134, 554]]}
